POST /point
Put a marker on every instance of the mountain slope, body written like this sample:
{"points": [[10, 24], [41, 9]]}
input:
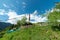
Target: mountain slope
{"points": [[34, 32], [3, 25]]}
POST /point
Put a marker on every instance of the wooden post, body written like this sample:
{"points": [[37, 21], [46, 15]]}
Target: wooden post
{"points": [[29, 17]]}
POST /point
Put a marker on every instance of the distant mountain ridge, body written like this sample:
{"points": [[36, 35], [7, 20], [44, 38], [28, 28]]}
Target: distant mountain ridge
{"points": [[3, 25]]}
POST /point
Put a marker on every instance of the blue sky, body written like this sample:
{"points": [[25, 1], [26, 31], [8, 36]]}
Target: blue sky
{"points": [[25, 6]]}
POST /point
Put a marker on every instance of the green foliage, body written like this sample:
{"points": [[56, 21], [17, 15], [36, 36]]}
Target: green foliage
{"points": [[54, 16], [57, 5], [34, 32], [21, 22]]}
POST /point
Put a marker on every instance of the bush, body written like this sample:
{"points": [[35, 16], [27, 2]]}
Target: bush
{"points": [[22, 21]]}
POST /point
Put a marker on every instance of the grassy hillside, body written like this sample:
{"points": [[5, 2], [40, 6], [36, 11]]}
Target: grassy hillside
{"points": [[34, 32]]}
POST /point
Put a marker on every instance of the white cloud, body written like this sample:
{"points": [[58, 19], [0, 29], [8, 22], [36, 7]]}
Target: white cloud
{"points": [[38, 18], [2, 12], [17, 2], [13, 17], [35, 12], [12, 21], [12, 14], [24, 3], [5, 5]]}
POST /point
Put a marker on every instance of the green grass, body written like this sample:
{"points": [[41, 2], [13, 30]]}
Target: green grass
{"points": [[35, 32]]}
